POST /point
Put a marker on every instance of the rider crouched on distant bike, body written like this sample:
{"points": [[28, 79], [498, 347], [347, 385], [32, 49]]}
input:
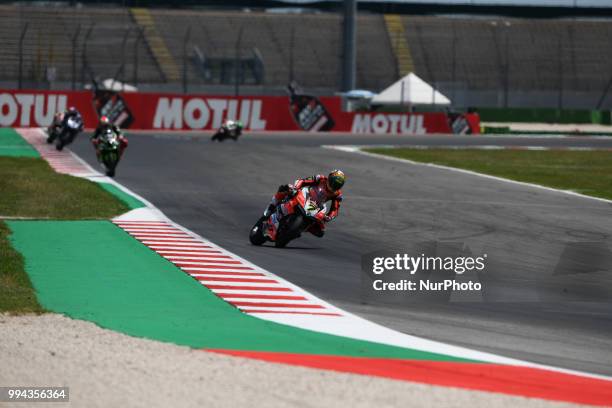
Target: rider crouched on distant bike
{"points": [[56, 123], [103, 125], [60, 119], [229, 129], [322, 189]]}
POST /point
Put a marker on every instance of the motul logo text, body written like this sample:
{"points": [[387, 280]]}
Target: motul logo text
{"points": [[26, 110], [388, 123], [197, 113]]}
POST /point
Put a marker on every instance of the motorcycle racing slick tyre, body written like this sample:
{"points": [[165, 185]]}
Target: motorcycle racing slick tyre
{"points": [[256, 236], [110, 161]]}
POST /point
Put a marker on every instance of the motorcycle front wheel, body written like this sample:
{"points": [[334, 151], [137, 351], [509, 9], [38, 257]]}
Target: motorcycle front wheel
{"points": [[65, 138], [256, 236], [110, 161]]}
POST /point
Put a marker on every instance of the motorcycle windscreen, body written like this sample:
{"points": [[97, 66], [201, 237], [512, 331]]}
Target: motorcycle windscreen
{"points": [[310, 114], [112, 105]]}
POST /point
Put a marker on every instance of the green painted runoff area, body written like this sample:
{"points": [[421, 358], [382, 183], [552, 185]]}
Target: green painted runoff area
{"points": [[12, 144], [129, 200], [93, 270]]}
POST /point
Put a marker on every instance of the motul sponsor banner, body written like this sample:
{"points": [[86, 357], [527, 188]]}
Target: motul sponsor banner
{"points": [[206, 112], [395, 123], [36, 108]]}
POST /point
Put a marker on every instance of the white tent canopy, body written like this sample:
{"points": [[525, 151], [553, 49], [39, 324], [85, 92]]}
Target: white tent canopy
{"points": [[113, 85], [410, 90]]}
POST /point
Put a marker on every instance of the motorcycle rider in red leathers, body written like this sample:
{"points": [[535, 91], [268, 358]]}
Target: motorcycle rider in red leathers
{"points": [[322, 189]]}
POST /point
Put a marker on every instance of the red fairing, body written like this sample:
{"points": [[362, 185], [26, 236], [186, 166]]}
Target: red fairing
{"points": [[289, 206], [300, 199]]}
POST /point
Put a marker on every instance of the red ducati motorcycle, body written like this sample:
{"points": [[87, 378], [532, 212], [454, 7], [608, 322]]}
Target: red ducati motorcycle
{"points": [[302, 213]]}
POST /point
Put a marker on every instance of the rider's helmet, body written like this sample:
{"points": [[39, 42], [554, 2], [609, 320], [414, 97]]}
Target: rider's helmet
{"points": [[72, 109], [104, 121], [335, 180], [239, 124]]}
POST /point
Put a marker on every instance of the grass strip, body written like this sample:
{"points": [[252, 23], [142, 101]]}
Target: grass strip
{"points": [[16, 292], [585, 172], [30, 188], [129, 200]]}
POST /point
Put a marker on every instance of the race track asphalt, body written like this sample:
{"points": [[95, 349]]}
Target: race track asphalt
{"points": [[544, 248]]}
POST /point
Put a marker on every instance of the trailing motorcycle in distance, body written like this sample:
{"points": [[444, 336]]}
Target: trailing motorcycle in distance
{"points": [[301, 216], [65, 133], [230, 129], [108, 151]]}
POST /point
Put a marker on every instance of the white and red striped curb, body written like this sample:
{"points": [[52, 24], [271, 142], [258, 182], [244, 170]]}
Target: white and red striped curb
{"points": [[243, 285], [64, 162]]}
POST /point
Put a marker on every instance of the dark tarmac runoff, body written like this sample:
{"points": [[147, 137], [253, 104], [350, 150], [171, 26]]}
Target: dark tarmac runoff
{"points": [[548, 289]]}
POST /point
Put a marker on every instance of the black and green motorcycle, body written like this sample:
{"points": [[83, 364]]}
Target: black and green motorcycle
{"points": [[108, 151]]}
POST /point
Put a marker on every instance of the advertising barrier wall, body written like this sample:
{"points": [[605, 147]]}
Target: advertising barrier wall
{"points": [[152, 111]]}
